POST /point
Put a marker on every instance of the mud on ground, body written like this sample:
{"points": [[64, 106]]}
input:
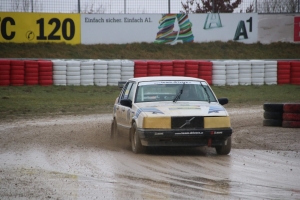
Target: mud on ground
{"points": [[73, 157]]}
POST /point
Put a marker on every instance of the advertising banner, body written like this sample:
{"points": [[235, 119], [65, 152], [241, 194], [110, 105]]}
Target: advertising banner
{"points": [[297, 29], [278, 28], [39, 27], [168, 28]]}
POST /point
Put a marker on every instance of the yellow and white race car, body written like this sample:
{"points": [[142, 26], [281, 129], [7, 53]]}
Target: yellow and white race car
{"points": [[171, 111]]}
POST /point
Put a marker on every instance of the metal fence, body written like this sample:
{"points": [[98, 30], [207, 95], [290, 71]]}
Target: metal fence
{"points": [[139, 6]]}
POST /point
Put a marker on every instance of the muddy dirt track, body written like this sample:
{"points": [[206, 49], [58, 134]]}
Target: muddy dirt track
{"points": [[73, 157]]}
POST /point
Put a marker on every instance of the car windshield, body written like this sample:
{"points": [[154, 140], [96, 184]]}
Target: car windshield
{"points": [[174, 91]]}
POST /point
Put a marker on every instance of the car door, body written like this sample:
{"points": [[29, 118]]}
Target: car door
{"points": [[124, 113]]}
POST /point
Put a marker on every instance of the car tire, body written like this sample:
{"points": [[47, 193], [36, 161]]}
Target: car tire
{"points": [[291, 108], [273, 115], [273, 107], [135, 140], [113, 129], [272, 122], [224, 149], [291, 124]]}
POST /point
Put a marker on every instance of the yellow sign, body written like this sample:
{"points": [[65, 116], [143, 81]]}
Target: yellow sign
{"points": [[40, 27]]}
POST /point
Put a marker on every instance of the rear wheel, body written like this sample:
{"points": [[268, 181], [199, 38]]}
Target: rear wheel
{"points": [[113, 129], [224, 149], [136, 144]]}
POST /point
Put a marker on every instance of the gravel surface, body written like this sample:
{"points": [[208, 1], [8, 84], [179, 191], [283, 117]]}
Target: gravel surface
{"points": [[73, 157]]}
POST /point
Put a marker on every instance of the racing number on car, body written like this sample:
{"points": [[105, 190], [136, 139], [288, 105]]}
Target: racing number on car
{"points": [[67, 29]]}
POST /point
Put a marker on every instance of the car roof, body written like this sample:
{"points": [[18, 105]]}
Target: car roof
{"points": [[165, 78]]}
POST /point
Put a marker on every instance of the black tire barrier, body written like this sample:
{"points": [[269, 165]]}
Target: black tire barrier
{"points": [[272, 122], [273, 107], [273, 115]]}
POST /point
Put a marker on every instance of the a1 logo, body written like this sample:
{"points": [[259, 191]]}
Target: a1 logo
{"points": [[241, 29]]}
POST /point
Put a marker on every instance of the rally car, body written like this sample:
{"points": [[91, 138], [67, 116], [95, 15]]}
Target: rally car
{"points": [[171, 111]]}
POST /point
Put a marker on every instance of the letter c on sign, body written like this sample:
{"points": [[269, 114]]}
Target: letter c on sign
{"points": [[3, 28]]}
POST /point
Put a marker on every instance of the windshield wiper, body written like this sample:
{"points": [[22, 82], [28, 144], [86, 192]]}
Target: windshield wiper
{"points": [[178, 95], [205, 92]]}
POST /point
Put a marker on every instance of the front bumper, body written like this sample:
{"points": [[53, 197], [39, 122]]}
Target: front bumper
{"points": [[184, 137]]}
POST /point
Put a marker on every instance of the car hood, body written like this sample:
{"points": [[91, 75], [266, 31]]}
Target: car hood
{"points": [[156, 109]]}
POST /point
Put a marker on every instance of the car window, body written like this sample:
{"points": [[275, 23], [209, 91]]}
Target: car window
{"points": [[131, 92], [127, 92], [168, 90]]}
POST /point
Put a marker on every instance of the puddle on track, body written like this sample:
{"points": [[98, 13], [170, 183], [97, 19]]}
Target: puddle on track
{"points": [[74, 158]]}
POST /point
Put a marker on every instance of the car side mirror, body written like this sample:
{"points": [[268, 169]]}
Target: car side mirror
{"points": [[126, 102], [223, 101]]}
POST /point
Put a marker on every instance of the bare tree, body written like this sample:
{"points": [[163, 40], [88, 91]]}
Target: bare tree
{"points": [[26, 6], [276, 6], [205, 6], [93, 8]]}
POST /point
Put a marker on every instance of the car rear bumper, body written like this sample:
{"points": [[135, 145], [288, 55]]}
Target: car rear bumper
{"points": [[187, 137]]}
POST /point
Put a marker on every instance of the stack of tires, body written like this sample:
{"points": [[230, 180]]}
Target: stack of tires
{"points": [[100, 72], [114, 72], [271, 72], [273, 113], [285, 115], [257, 72], [59, 72], [87, 72], [205, 71], [17, 72], [140, 68], [219, 73], [153, 68], [73, 72], [295, 72], [291, 115], [127, 70], [4, 72], [192, 68], [166, 68], [45, 73], [178, 68], [244, 72], [283, 72], [232, 72], [31, 72]]}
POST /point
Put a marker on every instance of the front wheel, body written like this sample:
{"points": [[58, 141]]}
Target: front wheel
{"points": [[136, 144], [224, 149]]}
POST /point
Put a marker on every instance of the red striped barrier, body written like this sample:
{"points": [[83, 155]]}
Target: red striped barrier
{"points": [[45, 72], [178, 68], [17, 72], [192, 68], [4, 72], [140, 69], [295, 71], [153, 68], [205, 71], [166, 68], [283, 72]]}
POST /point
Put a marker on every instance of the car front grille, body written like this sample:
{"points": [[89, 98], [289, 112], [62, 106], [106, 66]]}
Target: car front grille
{"points": [[187, 122]]}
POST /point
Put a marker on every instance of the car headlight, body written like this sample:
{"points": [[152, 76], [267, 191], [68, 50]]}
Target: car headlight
{"points": [[157, 122], [216, 122]]}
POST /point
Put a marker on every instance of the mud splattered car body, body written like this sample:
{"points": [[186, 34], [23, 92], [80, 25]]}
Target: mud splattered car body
{"points": [[171, 111]]}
